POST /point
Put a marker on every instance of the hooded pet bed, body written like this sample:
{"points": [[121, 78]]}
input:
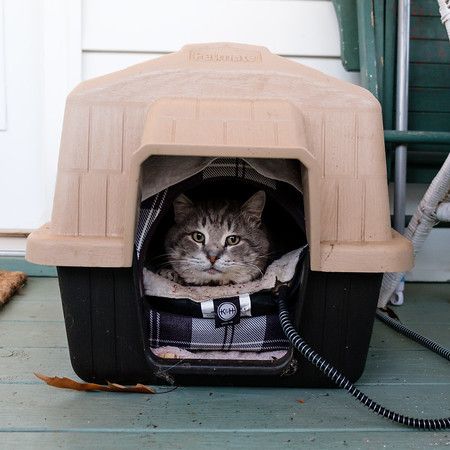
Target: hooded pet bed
{"points": [[122, 141], [185, 317]]}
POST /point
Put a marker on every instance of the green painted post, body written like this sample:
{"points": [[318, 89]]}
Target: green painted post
{"points": [[390, 40], [348, 31], [378, 18], [367, 50], [389, 62]]}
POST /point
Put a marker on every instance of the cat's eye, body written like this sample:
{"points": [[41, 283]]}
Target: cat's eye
{"points": [[198, 237], [232, 240]]}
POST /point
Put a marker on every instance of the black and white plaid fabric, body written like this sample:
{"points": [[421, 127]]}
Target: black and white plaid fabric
{"points": [[235, 167], [256, 333], [147, 218], [261, 333], [219, 168]]}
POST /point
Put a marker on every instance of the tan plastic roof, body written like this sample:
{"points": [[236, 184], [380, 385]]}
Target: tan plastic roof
{"points": [[222, 100]]}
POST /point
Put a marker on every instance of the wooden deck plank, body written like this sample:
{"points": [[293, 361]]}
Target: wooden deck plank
{"points": [[404, 367], [17, 365], [41, 289], [384, 337], [384, 366], [39, 407], [419, 294], [28, 334], [231, 440], [23, 309]]}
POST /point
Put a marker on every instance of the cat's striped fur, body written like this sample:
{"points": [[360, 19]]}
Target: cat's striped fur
{"points": [[216, 242]]}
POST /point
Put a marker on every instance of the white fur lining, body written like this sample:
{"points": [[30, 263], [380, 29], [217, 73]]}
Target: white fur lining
{"points": [[179, 353], [282, 270]]}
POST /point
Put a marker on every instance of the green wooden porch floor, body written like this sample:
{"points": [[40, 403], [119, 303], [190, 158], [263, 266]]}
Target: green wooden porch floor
{"points": [[399, 374]]}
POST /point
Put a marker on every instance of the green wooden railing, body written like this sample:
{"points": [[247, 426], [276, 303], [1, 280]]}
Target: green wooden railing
{"points": [[368, 31]]}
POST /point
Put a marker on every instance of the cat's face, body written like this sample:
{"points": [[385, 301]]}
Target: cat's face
{"points": [[218, 242]]}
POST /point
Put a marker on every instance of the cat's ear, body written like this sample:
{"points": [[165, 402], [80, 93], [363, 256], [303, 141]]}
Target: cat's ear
{"points": [[254, 206], [182, 206]]}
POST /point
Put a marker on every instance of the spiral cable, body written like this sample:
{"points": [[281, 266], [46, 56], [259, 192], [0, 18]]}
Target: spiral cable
{"points": [[343, 382], [422, 340]]}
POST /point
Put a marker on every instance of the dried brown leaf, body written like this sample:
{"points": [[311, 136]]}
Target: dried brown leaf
{"points": [[67, 383]]}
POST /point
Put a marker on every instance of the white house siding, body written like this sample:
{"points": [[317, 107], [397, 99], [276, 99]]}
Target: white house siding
{"points": [[305, 31]]}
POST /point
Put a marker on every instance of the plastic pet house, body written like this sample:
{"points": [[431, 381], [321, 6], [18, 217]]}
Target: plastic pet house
{"points": [[219, 120]]}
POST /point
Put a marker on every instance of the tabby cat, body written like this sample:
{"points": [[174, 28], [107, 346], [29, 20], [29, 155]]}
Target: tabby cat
{"points": [[216, 242]]}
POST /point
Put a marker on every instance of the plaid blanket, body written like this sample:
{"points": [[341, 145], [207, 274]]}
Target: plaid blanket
{"points": [[260, 333]]}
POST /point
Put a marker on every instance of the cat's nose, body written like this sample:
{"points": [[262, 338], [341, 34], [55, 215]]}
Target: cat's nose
{"points": [[212, 258]]}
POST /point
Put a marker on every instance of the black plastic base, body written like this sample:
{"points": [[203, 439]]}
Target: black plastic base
{"points": [[106, 343]]}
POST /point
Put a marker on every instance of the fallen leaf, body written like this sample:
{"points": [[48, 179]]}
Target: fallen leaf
{"points": [[67, 383], [10, 283]]}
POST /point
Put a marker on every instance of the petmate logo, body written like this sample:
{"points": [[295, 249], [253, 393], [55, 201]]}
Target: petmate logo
{"points": [[221, 55], [226, 311]]}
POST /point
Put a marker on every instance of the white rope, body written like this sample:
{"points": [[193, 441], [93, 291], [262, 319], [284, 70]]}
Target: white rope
{"points": [[444, 10], [443, 212], [433, 208]]}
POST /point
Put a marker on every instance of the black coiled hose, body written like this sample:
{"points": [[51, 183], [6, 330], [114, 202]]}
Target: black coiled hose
{"points": [[343, 382], [422, 340]]}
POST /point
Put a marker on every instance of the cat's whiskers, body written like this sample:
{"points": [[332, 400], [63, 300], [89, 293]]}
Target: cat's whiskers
{"points": [[162, 255], [184, 261], [265, 255], [179, 262], [247, 264]]}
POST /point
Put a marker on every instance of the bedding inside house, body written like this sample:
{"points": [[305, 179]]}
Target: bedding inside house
{"points": [[257, 336], [180, 320]]}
